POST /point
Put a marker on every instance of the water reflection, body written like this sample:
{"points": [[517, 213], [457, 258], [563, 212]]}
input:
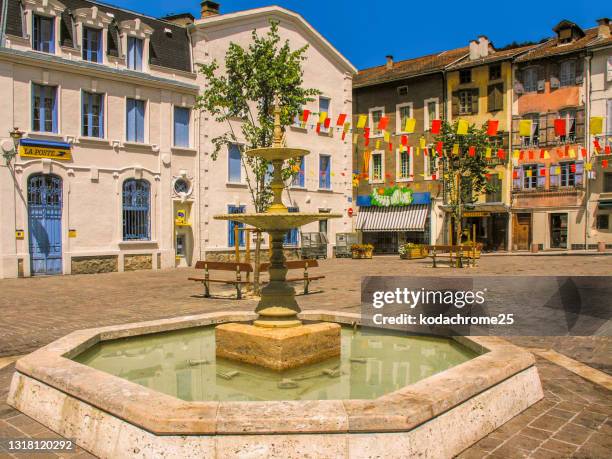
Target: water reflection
{"points": [[183, 364]]}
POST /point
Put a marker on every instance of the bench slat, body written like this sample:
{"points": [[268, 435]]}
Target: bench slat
{"points": [[224, 266], [293, 264]]}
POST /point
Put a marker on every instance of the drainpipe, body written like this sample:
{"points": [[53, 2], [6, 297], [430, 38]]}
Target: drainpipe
{"points": [[587, 130]]}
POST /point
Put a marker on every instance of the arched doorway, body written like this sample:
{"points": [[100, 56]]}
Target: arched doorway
{"points": [[45, 224]]}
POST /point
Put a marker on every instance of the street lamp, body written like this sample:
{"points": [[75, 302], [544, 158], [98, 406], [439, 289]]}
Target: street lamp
{"points": [[9, 153]]}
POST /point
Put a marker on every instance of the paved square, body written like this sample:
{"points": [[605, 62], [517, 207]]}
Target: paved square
{"points": [[574, 419]]}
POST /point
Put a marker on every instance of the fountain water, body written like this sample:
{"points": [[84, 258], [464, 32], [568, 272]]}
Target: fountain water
{"points": [[277, 339]]}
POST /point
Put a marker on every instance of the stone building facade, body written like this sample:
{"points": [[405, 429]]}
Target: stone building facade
{"points": [[105, 175], [412, 88]]}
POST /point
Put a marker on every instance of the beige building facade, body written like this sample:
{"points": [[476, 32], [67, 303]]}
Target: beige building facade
{"points": [[105, 175]]}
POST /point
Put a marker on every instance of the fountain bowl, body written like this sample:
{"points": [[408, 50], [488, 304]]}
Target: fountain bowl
{"points": [[277, 153], [109, 416], [277, 221]]}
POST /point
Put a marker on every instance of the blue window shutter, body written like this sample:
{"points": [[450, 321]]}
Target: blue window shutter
{"points": [[34, 107], [131, 120], [130, 56], [234, 166], [301, 174], [101, 117], [54, 96], [140, 112], [100, 58], [51, 23], [181, 126]]}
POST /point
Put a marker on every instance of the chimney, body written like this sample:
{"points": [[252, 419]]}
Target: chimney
{"points": [[603, 28], [389, 61], [483, 46], [474, 51], [209, 9]]}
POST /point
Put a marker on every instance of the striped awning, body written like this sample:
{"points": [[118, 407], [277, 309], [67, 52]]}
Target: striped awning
{"points": [[392, 218]]}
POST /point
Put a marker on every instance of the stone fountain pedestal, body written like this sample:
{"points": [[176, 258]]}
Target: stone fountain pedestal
{"points": [[278, 348]]}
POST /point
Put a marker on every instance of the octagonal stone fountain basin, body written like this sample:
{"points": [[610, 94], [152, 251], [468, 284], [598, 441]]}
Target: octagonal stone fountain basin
{"points": [[400, 406]]}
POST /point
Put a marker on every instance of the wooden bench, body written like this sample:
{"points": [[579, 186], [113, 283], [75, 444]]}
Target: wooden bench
{"points": [[298, 264], [208, 266], [457, 252]]}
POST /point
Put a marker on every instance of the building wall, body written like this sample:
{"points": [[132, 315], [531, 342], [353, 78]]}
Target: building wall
{"points": [[546, 103], [321, 71], [600, 101], [92, 181]]}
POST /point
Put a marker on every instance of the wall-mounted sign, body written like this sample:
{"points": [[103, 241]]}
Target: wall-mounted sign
{"points": [[72, 233], [181, 218], [476, 214], [29, 148], [19, 234], [391, 196]]}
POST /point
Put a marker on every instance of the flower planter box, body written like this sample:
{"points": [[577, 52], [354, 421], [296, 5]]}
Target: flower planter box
{"points": [[362, 254], [413, 254]]}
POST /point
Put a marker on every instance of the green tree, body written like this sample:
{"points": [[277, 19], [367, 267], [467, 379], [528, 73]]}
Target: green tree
{"points": [[254, 78], [464, 176], [247, 89]]}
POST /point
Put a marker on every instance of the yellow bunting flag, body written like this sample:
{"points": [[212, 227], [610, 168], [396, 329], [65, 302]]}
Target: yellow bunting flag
{"points": [[361, 122], [596, 126], [366, 161], [588, 166], [546, 154], [417, 150], [456, 149], [516, 154], [387, 136], [355, 138], [322, 117], [500, 175], [462, 127], [378, 144], [346, 127], [557, 170], [528, 172], [488, 153], [572, 153], [410, 124], [422, 143], [525, 128]]}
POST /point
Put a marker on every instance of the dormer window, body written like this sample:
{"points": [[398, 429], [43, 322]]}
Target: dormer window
{"points": [[134, 53], [92, 44], [43, 34]]}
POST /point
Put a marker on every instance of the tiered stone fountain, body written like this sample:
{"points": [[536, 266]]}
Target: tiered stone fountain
{"points": [[277, 339]]}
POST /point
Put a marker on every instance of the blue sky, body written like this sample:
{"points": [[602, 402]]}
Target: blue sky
{"points": [[365, 32]]}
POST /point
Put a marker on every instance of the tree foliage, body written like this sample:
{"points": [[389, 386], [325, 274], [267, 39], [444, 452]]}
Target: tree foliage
{"points": [[464, 176], [245, 90]]}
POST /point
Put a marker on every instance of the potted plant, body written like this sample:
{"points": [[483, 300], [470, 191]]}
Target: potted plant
{"points": [[411, 251], [362, 250]]}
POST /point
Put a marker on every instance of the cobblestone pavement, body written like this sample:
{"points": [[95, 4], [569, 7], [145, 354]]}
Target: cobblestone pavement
{"points": [[574, 419]]}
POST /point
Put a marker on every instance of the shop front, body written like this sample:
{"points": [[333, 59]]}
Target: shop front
{"points": [[389, 223], [487, 223]]}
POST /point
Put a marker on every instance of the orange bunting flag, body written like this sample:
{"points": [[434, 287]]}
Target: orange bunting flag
{"points": [[560, 126], [439, 148], [604, 163], [327, 122], [382, 123], [515, 174], [531, 155], [361, 121], [573, 167], [341, 119], [492, 126], [607, 149], [522, 155], [305, 115], [404, 140], [435, 126], [472, 151], [542, 154], [462, 127], [366, 161], [583, 152], [390, 146], [501, 154], [318, 128], [543, 172]]}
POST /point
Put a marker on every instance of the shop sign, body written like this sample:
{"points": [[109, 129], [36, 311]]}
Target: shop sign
{"points": [[476, 214], [391, 196], [181, 218], [40, 149], [72, 233]]}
